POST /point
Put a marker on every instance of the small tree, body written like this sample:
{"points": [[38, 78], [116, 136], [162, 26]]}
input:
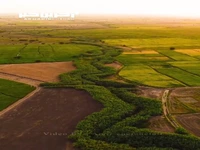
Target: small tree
{"points": [[181, 130], [172, 48]]}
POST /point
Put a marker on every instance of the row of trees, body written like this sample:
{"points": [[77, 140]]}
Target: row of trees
{"points": [[120, 124]]}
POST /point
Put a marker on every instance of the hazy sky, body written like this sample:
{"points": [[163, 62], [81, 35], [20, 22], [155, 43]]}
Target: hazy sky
{"points": [[143, 7]]}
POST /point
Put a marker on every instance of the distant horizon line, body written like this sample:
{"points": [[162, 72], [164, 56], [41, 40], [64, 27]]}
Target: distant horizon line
{"points": [[116, 14], [111, 14]]}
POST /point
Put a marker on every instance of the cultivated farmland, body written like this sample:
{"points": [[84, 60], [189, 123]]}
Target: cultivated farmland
{"points": [[118, 68], [11, 91], [58, 116]]}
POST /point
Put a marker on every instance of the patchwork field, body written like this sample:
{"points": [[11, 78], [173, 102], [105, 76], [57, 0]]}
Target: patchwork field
{"points": [[111, 58], [160, 68]]}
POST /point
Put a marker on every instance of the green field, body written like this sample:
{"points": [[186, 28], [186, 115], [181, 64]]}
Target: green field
{"points": [[146, 75], [42, 53], [11, 91], [177, 68], [145, 59], [155, 42]]}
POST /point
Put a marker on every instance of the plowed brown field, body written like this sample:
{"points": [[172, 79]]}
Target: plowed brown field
{"points": [[35, 73], [44, 120]]}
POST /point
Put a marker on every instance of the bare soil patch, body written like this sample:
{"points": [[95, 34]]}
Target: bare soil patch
{"points": [[150, 92], [141, 52], [115, 78], [187, 100], [45, 119], [20, 79], [35, 73], [191, 122], [159, 123], [184, 100], [115, 65], [186, 91]]}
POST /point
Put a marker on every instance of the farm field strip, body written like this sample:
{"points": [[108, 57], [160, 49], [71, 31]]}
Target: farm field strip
{"points": [[11, 91], [21, 79], [10, 54], [179, 67], [176, 55], [148, 76], [154, 42], [184, 100], [38, 114], [190, 122], [140, 52], [32, 74], [129, 59], [39, 72], [180, 75], [191, 67], [159, 123], [190, 52]]}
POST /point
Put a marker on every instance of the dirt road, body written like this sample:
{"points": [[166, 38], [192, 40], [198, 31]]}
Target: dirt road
{"points": [[166, 111]]}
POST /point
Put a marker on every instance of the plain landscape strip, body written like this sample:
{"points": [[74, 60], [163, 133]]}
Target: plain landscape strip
{"points": [[17, 103]]}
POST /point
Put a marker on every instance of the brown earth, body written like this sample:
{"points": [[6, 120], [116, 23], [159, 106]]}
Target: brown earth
{"points": [[115, 78], [35, 73], [184, 100], [115, 65], [150, 92], [191, 122], [159, 123], [186, 91], [21, 79], [45, 120]]}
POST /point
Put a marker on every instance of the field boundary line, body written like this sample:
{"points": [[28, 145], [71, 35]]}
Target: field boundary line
{"points": [[21, 77], [168, 76], [19, 52], [120, 77], [171, 77], [186, 71], [165, 55], [8, 95], [20, 101]]}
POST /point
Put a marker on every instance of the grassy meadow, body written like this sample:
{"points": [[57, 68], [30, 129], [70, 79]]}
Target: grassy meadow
{"points": [[11, 91], [42, 53]]}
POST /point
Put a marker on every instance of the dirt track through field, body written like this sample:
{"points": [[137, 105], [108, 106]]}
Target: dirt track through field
{"points": [[115, 65], [44, 120], [35, 73]]}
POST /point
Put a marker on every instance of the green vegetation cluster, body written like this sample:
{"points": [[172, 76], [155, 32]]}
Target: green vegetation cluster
{"points": [[121, 124]]}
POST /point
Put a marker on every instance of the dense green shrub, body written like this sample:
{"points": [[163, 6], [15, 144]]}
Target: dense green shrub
{"points": [[181, 130], [120, 125]]}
